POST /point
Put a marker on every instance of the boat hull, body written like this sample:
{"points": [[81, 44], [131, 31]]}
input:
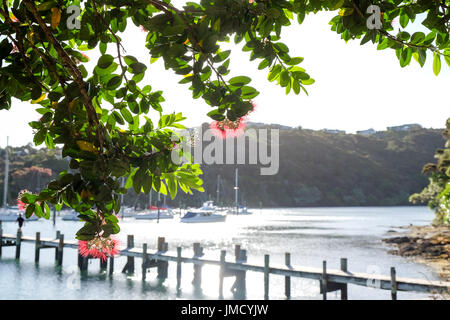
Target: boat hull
{"points": [[152, 217], [204, 219]]}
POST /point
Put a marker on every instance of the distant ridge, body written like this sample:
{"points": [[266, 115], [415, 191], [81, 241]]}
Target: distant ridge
{"points": [[316, 169]]}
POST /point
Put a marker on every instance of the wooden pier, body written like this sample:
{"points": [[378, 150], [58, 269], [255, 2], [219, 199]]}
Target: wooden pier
{"points": [[329, 280]]}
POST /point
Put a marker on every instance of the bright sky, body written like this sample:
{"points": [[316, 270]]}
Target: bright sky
{"points": [[356, 88]]}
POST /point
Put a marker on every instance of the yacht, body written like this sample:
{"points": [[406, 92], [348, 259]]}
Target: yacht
{"points": [[8, 213], [71, 215], [152, 214], [207, 213]]}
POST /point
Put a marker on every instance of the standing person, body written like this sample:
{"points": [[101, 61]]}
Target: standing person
{"points": [[20, 221]]}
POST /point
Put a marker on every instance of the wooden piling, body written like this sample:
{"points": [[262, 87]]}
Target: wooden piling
{"points": [[237, 249], [344, 289], [129, 266], [162, 266], [37, 247], [223, 253], [60, 250], [266, 276], [161, 241], [144, 261], [58, 233], [393, 284], [103, 265], [18, 243], [111, 266], [287, 279], [240, 285], [197, 281], [324, 280], [178, 268], [84, 262]]}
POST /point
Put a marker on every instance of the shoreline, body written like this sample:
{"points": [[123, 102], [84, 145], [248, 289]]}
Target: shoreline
{"points": [[424, 244]]}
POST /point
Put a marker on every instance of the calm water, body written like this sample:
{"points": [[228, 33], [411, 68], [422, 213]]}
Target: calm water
{"points": [[310, 234]]}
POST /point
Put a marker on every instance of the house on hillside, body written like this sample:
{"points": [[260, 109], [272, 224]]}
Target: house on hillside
{"points": [[367, 132], [405, 127], [333, 131]]}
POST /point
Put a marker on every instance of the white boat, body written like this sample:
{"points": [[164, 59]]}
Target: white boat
{"points": [[152, 214], [8, 213], [207, 213], [127, 212], [240, 210], [71, 216]]}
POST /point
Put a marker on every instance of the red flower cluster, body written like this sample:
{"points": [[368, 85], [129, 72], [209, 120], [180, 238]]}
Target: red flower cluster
{"points": [[227, 128], [20, 204], [99, 247]]}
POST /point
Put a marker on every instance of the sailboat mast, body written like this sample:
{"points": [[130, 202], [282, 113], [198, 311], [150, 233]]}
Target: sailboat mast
{"points": [[122, 184], [236, 190], [159, 200], [218, 190], [5, 189], [150, 195]]}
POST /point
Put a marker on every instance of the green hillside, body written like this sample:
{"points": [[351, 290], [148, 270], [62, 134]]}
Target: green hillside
{"points": [[316, 169]]}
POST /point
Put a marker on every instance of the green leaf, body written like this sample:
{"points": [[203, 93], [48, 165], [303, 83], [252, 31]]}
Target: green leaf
{"points": [[284, 78], [436, 63], [105, 61], [114, 82], [240, 81], [30, 210], [417, 37], [126, 115]]}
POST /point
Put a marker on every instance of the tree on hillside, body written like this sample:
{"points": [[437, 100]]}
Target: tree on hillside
{"points": [[437, 193], [99, 117]]}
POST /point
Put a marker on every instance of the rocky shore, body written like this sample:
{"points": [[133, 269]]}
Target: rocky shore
{"points": [[426, 244]]}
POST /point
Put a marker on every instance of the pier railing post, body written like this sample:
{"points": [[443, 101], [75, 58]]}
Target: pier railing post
{"points": [[18, 243], [266, 276], [60, 250], [144, 261], [197, 281], [393, 284], [103, 264], [111, 266], [178, 269], [240, 285], [58, 233], [324, 280], [237, 250], [162, 266], [129, 266], [287, 279], [223, 253], [344, 289], [37, 247]]}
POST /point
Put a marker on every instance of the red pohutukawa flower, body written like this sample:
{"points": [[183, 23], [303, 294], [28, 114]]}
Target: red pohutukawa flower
{"points": [[22, 205], [99, 247], [227, 128]]}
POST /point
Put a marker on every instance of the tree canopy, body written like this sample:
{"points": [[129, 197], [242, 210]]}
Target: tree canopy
{"points": [[99, 117], [437, 193]]}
